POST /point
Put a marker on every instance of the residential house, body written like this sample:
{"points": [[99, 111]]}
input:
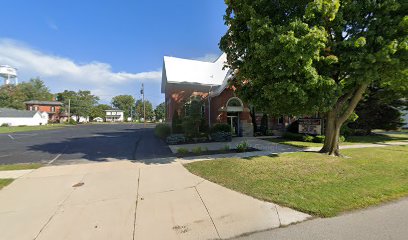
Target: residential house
{"points": [[115, 115], [53, 108], [207, 83], [13, 117]]}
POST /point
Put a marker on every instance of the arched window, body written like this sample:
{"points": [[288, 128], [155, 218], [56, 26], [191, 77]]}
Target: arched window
{"points": [[235, 105]]}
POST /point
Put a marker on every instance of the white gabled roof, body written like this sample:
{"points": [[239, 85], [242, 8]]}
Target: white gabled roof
{"points": [[185, 71]]}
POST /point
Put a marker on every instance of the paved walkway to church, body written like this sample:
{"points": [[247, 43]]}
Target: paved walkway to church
{"points": [[125, 200]]}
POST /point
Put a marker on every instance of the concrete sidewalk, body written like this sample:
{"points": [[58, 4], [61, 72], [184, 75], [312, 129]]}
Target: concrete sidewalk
{"points": [[123, 200], [14, 174], [364, 145]]}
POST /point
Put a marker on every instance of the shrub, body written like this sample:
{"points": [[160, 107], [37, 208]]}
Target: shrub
{"points": [[243, 147], [71, 122], [175, 139], [191, 127], [221, 137], [197, 150], [319, 139], [162, 130], [342, 139], [221, 127], [269, 132], [5, 125], [176, 123], [293, 136], [308, 138], [226, 148], [293, 127], [182, 151], [204, 126]]}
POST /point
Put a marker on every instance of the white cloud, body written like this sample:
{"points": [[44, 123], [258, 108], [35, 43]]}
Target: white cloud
{"points": [[97, 76], [209, 57]]}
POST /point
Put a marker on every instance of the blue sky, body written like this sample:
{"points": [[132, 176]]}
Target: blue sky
{"points": [[109, 47]]}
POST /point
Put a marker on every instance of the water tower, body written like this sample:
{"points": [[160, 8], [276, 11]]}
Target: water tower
{"points": [[9, 74]]}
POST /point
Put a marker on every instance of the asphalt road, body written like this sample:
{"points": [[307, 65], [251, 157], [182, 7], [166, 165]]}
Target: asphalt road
{"points": [[95, 143], [385, 222]]}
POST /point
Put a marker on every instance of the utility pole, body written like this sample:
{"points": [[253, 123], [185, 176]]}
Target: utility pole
{"points": [[69, 110], [131, 113], [144, 106]]}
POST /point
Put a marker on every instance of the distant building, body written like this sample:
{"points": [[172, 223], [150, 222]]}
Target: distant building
{"points": [[98, 119], [115, 115], [13, 117], [53, 108], [80, 119]]}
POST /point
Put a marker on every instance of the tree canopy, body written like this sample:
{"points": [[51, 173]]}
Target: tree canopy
{"points": [[149, 109], [125, 103], [12, 96], [99, 111], [300, 57], [160, 111], [81, 102]]}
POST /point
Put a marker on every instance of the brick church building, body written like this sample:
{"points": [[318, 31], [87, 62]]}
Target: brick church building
{"points": [[184, 81]]}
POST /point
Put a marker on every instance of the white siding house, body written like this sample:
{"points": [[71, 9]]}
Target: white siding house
{"points": [[13, 117], [115, 115]]}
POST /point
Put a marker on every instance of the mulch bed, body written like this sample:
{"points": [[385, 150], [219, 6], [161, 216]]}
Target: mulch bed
{"points": [[213, 152]]}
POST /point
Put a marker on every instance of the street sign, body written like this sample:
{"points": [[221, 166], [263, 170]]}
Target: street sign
{"points": [[310, 126]]}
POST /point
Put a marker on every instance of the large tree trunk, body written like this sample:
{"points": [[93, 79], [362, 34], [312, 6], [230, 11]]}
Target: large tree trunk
{"points": [[337, 117], [332, 135]]}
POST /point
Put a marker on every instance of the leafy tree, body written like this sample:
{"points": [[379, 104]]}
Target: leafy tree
{"points": [[192, 120], [176, 123], [125, 103], [99, 111], [380, 109], [12, 96], [160, 111], [302, 57], [82, 102], [35, 89], [149, 109]]}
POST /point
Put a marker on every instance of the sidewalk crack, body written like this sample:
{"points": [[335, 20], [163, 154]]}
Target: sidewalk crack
{"points": [[277, 212], [208, 212], [57, 210], [137, 202]]}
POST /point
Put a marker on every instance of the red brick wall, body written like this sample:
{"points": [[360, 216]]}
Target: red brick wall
{"points": [[176, 100], [54, 115]]}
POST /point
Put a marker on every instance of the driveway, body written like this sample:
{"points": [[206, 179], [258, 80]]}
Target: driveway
{"points": [[84, 143], [125, 200]]}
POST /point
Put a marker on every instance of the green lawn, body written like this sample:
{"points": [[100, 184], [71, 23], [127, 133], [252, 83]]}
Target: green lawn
{"points": [[376, 138], [30, 128], [8, 167], [5, 182], [314, 183]]}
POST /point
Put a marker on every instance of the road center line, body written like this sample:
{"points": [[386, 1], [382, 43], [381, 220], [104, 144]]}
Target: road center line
{"points": [[12, 138]]}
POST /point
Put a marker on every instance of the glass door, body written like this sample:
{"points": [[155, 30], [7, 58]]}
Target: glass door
{"points": [[233, 121]]}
